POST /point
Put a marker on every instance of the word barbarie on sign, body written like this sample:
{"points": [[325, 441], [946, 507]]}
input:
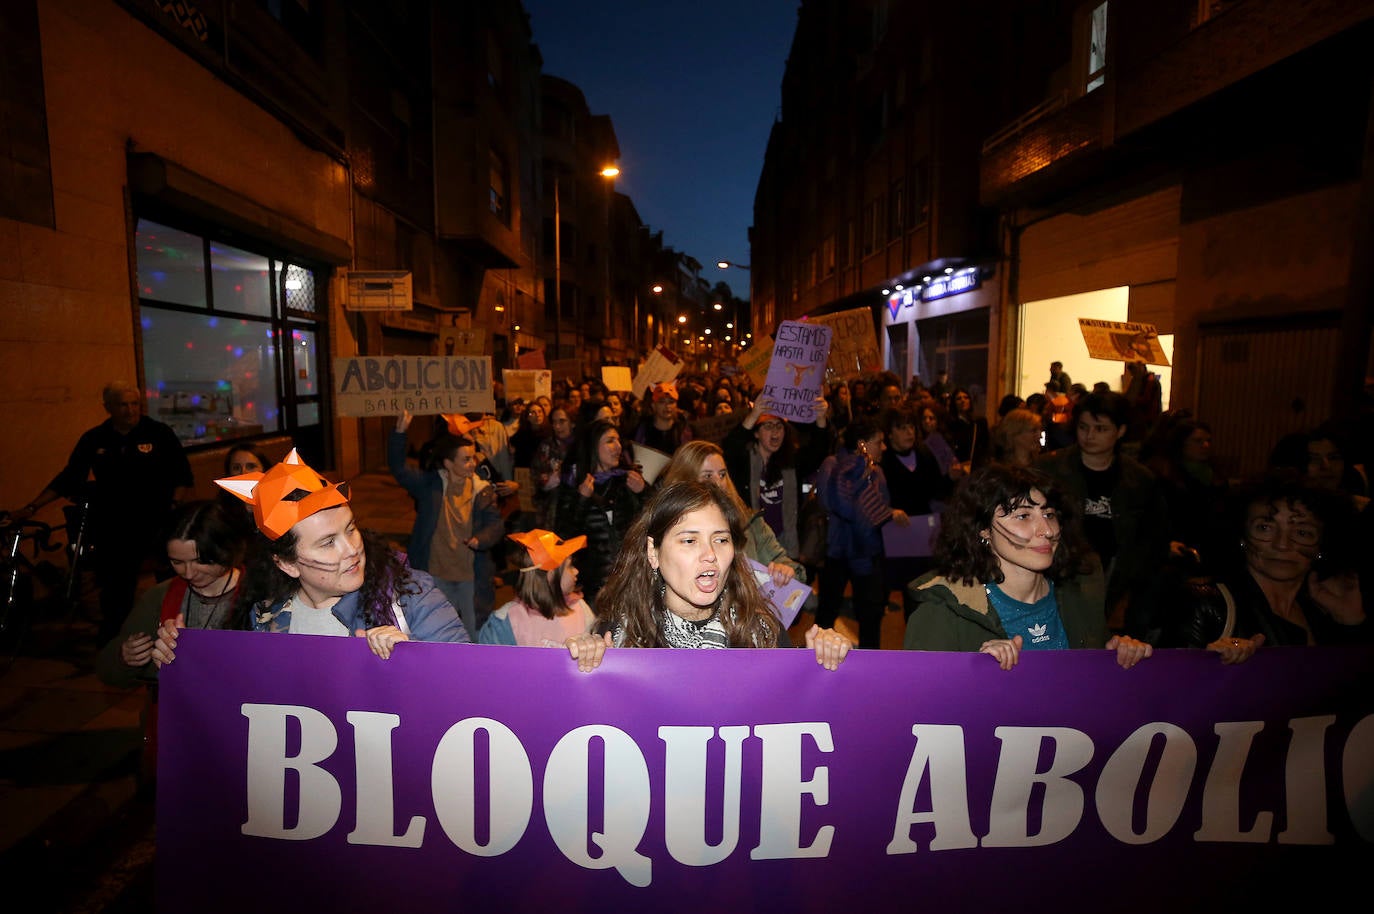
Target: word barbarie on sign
{"points": [[389, 385]]}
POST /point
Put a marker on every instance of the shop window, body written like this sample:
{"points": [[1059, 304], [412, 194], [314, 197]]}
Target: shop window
{"points": [[240, 280], [211, 318], [171, 265], [298, 287]]}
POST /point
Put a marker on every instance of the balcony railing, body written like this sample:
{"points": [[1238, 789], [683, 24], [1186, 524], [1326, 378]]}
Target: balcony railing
{"points": [[1040, 111]]}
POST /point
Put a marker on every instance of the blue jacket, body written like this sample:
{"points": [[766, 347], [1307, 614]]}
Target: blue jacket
{"points": [[856, 496], [426, 488], [428, 614]]}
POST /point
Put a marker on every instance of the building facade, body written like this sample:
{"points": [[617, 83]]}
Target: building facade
{"points": [[1204, 167], [188, 188], [868, 196]]}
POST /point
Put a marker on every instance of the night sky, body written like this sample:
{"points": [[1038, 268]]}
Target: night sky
{"points": [[692, 89]]}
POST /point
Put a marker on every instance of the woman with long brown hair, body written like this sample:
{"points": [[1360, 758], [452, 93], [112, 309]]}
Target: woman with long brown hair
{"points": [[681, 582]]}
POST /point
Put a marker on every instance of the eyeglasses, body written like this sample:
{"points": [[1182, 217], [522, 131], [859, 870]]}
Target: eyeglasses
{"points": [[1265, 530]]}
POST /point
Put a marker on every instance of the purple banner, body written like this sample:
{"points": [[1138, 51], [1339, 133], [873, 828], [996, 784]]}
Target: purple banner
{"points": [[462, 777]]}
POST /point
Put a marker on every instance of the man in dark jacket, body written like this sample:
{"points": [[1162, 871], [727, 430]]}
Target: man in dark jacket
{"points": [[139, 471], [1124, 513]]}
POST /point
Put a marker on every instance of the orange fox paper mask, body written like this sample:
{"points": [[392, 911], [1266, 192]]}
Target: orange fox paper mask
{"points": [[545, 550], [285, 494]]}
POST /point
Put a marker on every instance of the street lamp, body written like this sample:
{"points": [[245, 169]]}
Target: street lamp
{"points": [[726, 264], [609, 172]]}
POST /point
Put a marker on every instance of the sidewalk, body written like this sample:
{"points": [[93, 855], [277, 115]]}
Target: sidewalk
{"points": [[75, 832]]}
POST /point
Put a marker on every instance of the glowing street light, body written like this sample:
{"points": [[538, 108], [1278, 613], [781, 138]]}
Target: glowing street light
{"points": [[727, 264], [610, 171]]}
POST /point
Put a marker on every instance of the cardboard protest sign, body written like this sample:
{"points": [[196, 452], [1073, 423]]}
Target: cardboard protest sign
{"points": [[1118, 341], [715, 428], [526, 385], [754, 361], [531, 358], [567, 370], [855, 346], [462, 341], [616, 378], [785, 601], [651, 462], [661, 366], [424, 385], [525, 479], [795, 372], [915, 539]]}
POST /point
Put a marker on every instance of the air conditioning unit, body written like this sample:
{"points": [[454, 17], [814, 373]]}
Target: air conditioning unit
{"points": [[377, 290]]}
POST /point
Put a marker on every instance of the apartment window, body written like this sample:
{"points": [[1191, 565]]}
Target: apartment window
{"points": [[896, 210], [498, 179], [230, 337], [1097, 47], [828, 255], [1207, 10], [303, 25], [918, 201], [496, 64], [25, 163], [873, 232]]}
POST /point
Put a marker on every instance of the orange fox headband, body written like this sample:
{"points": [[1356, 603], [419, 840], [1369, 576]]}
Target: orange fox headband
{"points": [[284, 495], [545, 550], [459, 424]]}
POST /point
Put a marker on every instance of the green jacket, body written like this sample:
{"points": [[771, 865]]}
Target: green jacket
{"points": [[958, 617]]}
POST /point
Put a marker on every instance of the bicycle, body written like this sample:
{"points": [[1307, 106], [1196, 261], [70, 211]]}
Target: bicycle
{"points": [[31, 586]]}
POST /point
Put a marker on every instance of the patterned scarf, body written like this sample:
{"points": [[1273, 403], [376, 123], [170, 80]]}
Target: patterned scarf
{"points": [[678, 632]]}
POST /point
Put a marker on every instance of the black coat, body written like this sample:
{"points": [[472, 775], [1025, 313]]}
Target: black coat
{"points": [[577, 515], [912, 491]]}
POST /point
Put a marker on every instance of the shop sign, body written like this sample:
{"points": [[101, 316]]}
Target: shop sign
{"points": [[953, 284]]}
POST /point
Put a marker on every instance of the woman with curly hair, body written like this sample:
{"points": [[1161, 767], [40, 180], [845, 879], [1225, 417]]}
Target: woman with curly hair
{"points": [[317, 573], [681, 582], [1012, 573]]}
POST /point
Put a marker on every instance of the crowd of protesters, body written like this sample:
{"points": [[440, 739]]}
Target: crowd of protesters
{"points": [[1075, 518]]}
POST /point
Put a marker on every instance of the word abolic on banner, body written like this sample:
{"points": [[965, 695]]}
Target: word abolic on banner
{"points": [[296, 770]]}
